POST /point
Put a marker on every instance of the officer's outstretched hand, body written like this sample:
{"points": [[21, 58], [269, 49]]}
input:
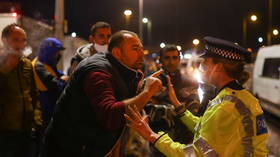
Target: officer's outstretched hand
{"points": [[172, 94], [140, 124], [153, 85]]}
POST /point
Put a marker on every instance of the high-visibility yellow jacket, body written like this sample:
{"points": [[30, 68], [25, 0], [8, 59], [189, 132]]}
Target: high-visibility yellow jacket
{"points": [[232, 126]]}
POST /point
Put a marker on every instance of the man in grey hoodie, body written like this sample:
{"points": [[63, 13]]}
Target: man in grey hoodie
{"points": [[99, 36]]}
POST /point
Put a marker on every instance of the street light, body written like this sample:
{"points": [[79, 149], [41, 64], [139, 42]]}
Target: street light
{"points": [[196, 42], [179, 47], [260, 39], [145, 20], [74, 34], [127, 12], [275, 32], [162, 45], [253, 18]]}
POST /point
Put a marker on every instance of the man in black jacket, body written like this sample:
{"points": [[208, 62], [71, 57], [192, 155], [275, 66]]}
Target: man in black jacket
{"points": [[88, 120]]}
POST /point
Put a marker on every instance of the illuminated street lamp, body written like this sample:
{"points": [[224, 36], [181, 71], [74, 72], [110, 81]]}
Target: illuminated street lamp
{"points": [[127, 12], [275, 32], [179, 47], [253, 18], [145, 20], [260, 39], [148, 22], [162, 45], [195, 42], [74, 34]]}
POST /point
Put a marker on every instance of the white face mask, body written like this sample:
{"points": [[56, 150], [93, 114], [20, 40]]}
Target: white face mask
{"points": [[101, 48], [10, 50]]}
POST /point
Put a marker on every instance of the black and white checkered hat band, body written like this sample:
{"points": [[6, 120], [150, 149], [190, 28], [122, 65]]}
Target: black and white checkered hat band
{"points": [[224, 53]]}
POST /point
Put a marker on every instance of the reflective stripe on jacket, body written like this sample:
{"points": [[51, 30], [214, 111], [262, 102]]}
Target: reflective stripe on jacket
{"points": [[232, 126]]}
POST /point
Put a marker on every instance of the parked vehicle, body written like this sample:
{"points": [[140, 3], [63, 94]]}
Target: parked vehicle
{"points": [[266, 78]]}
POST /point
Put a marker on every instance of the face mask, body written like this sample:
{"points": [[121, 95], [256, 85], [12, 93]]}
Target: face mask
{"points": [[10, 50], [100, 48]]}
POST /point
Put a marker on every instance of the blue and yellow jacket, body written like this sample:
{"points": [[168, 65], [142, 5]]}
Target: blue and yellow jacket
{"points": [[47, 76]]}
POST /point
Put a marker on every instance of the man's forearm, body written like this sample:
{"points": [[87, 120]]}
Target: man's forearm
{"points": [[140, 100]]}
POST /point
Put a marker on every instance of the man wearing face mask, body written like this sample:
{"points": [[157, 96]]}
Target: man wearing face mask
{"points": [[49, 80], [19, 106], [99, 36]]}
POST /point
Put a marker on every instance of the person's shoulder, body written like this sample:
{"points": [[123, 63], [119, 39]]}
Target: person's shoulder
{"points": [[247, 99], [84, 51], [26, 61], [26, 65], [81, 53], [243, 95], [97, 61]]}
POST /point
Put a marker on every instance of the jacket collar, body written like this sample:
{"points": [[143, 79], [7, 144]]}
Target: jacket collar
{"points": [[126, 72], [232, 85]]}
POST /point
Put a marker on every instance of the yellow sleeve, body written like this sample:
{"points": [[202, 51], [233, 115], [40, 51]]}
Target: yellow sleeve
{"points": [[189, 120], [168, 147]]}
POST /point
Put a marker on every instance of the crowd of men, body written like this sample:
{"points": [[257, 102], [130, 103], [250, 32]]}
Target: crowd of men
{"points": [[106, 106]]}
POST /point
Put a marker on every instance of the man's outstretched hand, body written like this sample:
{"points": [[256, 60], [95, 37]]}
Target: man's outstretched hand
{"points": [[140, 124]]}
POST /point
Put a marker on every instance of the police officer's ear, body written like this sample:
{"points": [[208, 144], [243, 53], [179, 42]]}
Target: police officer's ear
{"points": [[116, 52]]}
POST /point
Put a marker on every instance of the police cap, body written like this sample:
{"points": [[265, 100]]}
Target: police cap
{"points": [[215, 47]]}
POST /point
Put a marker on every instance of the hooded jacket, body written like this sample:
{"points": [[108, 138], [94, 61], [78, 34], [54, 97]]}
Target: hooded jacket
{"points": [[47, 76]]}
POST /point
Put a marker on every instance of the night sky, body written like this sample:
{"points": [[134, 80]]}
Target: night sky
{"points": [[173, 21]]}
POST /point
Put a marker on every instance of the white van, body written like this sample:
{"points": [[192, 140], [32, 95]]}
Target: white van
{"points": [[266, 78]]}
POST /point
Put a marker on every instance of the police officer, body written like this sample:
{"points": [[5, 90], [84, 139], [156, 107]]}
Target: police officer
{"points": [[233, 124]]}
